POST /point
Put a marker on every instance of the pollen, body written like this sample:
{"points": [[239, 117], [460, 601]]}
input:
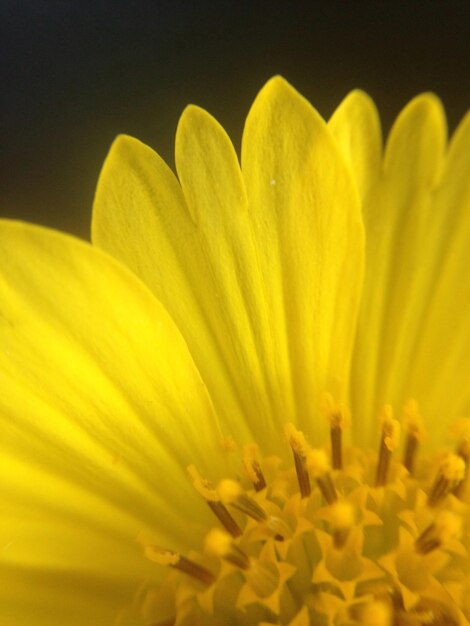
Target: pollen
{"points": [[328, 535], [220, 544]]}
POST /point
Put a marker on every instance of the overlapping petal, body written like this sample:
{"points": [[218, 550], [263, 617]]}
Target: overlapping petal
{"points": [[101, 409], [261, 269], [413, 335], [356, 127]]}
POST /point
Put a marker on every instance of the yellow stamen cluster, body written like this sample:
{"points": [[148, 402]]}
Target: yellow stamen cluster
{"points": [[378, 540]]}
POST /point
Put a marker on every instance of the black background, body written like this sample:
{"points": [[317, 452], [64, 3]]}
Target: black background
{"points": [[76, 73]]}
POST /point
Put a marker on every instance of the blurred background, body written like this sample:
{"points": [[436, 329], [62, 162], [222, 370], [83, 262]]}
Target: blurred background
{"points": [[75, 73]]}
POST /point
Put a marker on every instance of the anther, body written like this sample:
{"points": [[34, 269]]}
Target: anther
{"points": [[220, 544], [336, 435], [388, 443], [319, 466], [232, 493], [181, 563], [451, 474], [253, 468], [210, 495], [342, 518], [415, 434], [446, 527], [335, 414], [299, 447]]}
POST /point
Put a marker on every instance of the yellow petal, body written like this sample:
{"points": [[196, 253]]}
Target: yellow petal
{"points": [[254, 281], [356, 127], [440, 370], [405, 210], [140, 217], [67, 556], [233, 285], [101, 409], [307, 222]]}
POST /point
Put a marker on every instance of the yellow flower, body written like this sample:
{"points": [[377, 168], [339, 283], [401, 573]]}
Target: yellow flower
{"points": [[188, 429]]}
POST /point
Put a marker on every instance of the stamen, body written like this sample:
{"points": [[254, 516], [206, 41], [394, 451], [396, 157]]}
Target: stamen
{"points": [[451, 474], [336, 415], [181, 563], [342, 519], [299, 447], [253, 468], [336, 435], [463, 451], [411, 446], [447, 526], [381, 577], [414, 422], [388, 443], [232, 493], [319, 466], [278, 527], [210, 495], [220, 544]]}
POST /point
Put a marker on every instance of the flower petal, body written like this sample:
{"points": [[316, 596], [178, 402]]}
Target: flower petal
{"points": [[412, 337], [101, 409], [307, 219], [440, 370], [140, 217], [399, 272], [251, 280], [234, 286]]}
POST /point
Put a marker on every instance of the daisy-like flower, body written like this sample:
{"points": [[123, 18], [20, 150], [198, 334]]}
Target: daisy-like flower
{"points": [[245, 404]]}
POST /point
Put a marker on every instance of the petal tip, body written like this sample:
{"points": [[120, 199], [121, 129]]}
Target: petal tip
{"points": [[360, 97], [426, 105], [278, 94], [421, 123], [277, 84], [122, 142], [192, 114], [191, 110], [357, 103]]}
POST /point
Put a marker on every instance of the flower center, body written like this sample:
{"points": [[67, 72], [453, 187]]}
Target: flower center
{"points": [[339, 536]]}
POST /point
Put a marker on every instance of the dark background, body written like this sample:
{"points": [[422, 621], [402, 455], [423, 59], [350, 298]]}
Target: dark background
{"points": [[76, 73]]}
